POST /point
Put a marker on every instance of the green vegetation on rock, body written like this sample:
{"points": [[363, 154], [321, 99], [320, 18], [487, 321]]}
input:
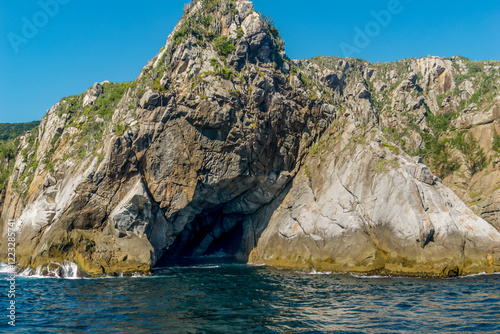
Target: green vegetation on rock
{"points": [[8, 149], [496, 142], [385, 165], [121, 129], [14, 130], [93, 120], [223, 46], [474, 155], [106, 104], [437, 151], [8, 152], [202, 25], [191, 132]]}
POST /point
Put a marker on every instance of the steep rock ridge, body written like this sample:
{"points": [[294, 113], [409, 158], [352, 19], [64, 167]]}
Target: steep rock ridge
{"points": [[198, 154], [360, 205], [127, 176], [445, 110], [228, 129]]}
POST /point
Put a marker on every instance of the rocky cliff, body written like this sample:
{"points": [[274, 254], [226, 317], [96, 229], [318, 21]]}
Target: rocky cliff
{"points": [[224, 144], [446, 110], [361, 205]]}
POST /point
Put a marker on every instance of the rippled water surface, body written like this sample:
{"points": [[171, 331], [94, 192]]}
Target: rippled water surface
{"points": [[231, 298]]}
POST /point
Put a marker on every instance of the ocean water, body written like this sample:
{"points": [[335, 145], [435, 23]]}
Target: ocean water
{"points": [[216, 296]]}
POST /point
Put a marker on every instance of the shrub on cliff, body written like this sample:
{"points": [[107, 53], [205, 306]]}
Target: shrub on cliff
{"points": [[8, 151], [223, 46], [474, 155], [496, 142]]}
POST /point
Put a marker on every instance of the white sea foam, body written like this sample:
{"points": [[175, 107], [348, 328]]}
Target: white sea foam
{"points": [[68, 270], [417, 277], [137, 275], [200, 266], [307, 272], [371, 276], [6, 268], [32, 273], [476, 275], [314, 272], [25, 273]]}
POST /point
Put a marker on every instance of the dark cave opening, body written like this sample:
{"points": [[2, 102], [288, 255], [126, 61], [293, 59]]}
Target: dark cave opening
{"points": [[212, 235]]}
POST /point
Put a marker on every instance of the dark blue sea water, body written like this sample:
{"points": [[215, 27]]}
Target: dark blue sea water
{"points": [[232, 298]]}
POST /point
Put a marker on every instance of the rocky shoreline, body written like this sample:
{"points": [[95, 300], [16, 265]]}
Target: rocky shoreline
{"points": [[225, 144]]}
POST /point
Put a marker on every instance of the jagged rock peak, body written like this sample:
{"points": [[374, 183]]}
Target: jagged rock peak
{"points": [[225, 144], [215, 16], [228, 32]]}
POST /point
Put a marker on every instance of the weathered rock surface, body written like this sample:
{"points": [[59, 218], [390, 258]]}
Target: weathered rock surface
{"points": [[92, 94], [177, 171], [359, 207], [201, 153], [425, 105], [489, 208]]}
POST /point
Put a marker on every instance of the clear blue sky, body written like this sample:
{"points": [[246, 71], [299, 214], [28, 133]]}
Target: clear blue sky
{"points": [[90, 41]]}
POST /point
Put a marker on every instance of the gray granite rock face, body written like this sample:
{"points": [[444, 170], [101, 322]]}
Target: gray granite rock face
{"points": [[207, 152], [358, 207]]}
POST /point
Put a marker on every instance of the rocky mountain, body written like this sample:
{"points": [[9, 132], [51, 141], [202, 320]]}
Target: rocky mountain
{"points": [[224, 144], [444, 110]]}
